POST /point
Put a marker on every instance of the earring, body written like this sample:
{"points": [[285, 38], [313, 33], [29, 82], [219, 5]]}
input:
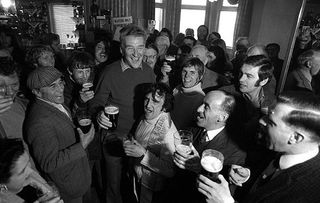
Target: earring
{"points": [[3, 188]]}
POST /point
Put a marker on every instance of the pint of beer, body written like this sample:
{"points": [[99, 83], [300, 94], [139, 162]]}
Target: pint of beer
{"points": [[212, 163], [85, 124], [112, 112]]}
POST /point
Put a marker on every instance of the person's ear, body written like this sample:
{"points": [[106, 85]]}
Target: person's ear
{"points": [[308, 64], [223, 117], [296, 138], [263, 82], [211, 56], [69, 71]]}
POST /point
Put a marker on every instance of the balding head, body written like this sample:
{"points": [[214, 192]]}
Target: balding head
{"points": [[201, 52], [215, 110]]}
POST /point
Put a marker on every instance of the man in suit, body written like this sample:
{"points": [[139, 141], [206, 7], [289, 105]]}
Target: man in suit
{"points": [[212, 133], [58, 153], [292, 129]]}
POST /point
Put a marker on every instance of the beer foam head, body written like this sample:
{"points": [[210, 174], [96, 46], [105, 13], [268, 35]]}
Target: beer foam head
{"points": [[211, 164], [87, 85], [111, 109], [85, 122]]}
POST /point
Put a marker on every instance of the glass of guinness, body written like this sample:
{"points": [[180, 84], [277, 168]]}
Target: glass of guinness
{"points": [[212, 164], [112, 112], [84, 121]]}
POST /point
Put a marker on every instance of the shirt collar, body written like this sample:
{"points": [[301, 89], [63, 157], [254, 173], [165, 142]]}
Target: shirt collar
{"points": [[60, 107], [287, 161], [213, 133], [256, 101], [125, 66]]}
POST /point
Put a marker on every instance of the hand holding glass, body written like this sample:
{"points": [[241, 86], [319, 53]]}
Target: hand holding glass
{"points": [[182, 141]]}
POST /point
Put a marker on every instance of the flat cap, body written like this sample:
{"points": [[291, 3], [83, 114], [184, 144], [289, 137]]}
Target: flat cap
{"points": [[43, 77]]}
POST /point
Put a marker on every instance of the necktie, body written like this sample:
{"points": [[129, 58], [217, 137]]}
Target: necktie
{"points": [[204, 137], [269, 173]]}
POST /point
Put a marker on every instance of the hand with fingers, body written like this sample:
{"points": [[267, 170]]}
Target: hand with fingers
{"points": [[5, 103], [86, 138], [134, 148], [213, 191], [238, 175], [103, 121], [86, 95], [189, 161]]}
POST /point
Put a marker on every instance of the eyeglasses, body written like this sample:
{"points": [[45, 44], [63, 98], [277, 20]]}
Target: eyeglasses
{"points": [[132, 50]]}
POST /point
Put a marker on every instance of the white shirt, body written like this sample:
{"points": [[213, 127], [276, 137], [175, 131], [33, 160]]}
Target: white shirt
{"points": [[213, 133], [287, 161]]}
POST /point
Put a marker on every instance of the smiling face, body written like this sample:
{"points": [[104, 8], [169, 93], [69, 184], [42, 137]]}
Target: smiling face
{"points": [[11, 83], [46, 59], [19, 174], [153, 106], [100, 53], [53, 93], [190, 76], [209, 112], [133, 50], [249, 78], [150, 57], [276, 131]]}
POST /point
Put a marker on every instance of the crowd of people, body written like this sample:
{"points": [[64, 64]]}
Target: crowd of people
{"points": [[159, 84]]}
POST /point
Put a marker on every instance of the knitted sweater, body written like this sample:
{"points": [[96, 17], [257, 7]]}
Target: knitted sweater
{"points": [[186, 103], [123, 89]]}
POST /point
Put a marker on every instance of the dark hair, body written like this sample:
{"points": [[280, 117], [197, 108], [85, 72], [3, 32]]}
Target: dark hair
{"points": [[132, 30], [8, 67], [191, 38], [216, 34], [204, 27], [10, 151], [8, 31], [306, 113], [263, 63], [185, 49], [178, 40], [34, 53], [106, 44], [229, 103], [48, 38], [152, 46], [273, 45], [197, 63], [80, 60], [166, 30], [162, 90]]}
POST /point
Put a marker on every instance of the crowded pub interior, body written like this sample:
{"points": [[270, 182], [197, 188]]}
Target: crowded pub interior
{"points": [[159, 101]]}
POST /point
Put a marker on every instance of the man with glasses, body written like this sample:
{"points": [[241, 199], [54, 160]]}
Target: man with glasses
{"points": [[57, 151], [121, 84]]}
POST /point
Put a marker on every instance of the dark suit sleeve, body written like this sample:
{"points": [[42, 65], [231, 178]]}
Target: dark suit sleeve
{"points": [[45, 147]]}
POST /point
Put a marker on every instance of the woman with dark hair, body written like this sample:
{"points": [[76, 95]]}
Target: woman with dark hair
{"points": [[153, 145], [219, 62], [16, 173]]}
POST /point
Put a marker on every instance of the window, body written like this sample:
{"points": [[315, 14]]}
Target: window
{"points": [[62, 22], [192, 14], [159, 14], [227, 21]]}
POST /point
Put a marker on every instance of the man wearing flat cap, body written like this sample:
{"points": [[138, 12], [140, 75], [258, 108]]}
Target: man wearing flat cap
{"points": [[57, 151]]}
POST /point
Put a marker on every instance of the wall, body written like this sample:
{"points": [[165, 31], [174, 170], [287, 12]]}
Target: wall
{"points": [[274, 21]]}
